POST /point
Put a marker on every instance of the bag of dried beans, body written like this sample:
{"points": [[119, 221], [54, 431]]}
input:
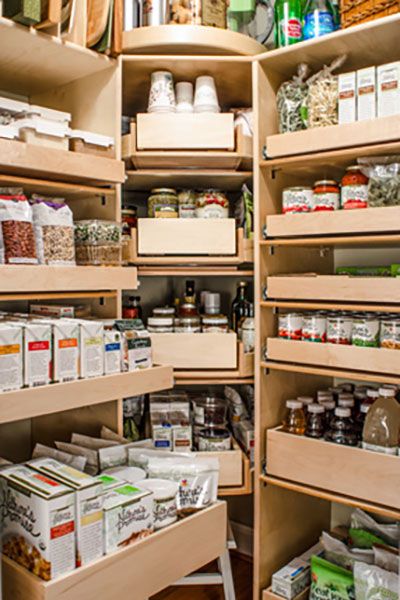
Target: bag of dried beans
{"points": [[54, 231], [17, 239]]}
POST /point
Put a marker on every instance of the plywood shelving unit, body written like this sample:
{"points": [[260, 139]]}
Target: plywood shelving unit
{"points": [[297, 490]]}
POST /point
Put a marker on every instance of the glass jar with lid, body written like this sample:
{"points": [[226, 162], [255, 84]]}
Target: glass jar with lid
{"points": [[163, 311], [295, 420], [210, 411], [187, 325], [162, 203], [160, 324], [129, 220], [315, 421], [187, 204], [214, 439], [297, 199], [212, 204], [326, 195], [354, 189], [214, 324]]}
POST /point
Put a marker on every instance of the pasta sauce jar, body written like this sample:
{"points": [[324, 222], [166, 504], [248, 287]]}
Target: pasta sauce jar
{"points": [[326, 195], [354, 192]]}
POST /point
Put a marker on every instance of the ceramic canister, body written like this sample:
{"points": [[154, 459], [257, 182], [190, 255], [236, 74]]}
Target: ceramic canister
{"points": [[206, 99], [162, 95]]}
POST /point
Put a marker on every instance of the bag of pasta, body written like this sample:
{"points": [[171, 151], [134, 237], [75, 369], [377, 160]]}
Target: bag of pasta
{"points": [[322, 96]]}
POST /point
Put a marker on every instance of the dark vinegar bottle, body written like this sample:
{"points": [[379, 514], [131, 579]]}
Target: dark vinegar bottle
{"points": [[241, 306]]}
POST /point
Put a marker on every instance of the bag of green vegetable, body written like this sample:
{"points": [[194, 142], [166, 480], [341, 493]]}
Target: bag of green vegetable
{"points": [[337, 552], [374, 583], [330, 582], [360, 538], [390, 532], [290, 99], [384, 179]]}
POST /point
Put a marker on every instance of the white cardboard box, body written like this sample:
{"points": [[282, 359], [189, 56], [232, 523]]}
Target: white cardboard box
{"points": [[11, 357], [388, 77], [366, 94], [347, 98], [91, 345]]}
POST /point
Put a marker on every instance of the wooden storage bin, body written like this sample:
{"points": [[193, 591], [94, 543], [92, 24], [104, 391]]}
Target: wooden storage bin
{"points": [[183, 547], [230, 465], [352, 472], [319, 139], [269, 595], [195, 350], [174, 131], [363, 221], [334, 287], [376, 360]]}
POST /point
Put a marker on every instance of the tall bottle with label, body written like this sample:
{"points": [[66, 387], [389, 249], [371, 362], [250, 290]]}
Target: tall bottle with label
{"points": [[382, 424], [318, 19], [288, 22], [241, 306]]}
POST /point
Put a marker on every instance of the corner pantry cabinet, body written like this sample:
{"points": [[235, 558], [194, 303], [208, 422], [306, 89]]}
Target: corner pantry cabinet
{"points": [[303, 485]]}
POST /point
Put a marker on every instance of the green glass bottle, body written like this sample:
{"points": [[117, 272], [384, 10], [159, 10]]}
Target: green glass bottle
{"points": [[288, 20]]}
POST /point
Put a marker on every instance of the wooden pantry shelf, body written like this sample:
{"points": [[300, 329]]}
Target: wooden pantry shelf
{"points": [[33, 62], [362, 224], [34, 278], [374, 360], [56, 295], [335, 468], [69, 191], [331, 497], [371, 43], [22, 159], [147, 179], [196, 541], [346, 373], [190, 39], [57, 397], [246, 486], [179, 271], [212, 379], [335, 287], [345, 241], [323, 305], [241, 372]]}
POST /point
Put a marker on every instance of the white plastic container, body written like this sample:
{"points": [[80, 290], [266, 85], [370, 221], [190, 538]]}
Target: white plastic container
{"points": [[164, 495], [91, 143], [43, 132]]}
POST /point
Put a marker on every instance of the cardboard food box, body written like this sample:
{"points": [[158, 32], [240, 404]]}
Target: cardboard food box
{"points": [[65, 350], [128, 517], [88, 507], [388, 77], [136, 345], [112, 351], [11, 357], [38, 522], [91, 345], [347, 98], [366, 94], [37, 350]]}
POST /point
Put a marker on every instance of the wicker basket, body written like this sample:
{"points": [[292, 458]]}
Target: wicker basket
{"points": [[354, 12]]}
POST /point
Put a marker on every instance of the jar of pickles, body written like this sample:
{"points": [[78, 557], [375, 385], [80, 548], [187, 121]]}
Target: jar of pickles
{"points": [[326, 195], [162, 203], [212, 204], [354, 189]]}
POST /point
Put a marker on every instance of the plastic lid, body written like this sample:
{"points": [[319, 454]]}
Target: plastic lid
{"points": [[342, 412], [212, 299], [316, 409], [160, 321], [364, 408], [305, 399], [90, 137], [372, 394], [346, 402], [163, 311], [293, 404], [328, 404], [386, 392]]}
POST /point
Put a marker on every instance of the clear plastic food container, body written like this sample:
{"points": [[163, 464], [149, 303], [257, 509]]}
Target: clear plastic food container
{"points": [[98, 242]]}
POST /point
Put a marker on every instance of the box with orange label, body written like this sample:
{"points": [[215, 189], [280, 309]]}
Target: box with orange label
{"points": [[11, 357], [65, 350], [38, 522], [88, 506], [37, 353]]}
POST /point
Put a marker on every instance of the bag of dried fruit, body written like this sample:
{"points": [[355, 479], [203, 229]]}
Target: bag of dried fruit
{"points": [[290, 101], [17, 239], [54, 231]]}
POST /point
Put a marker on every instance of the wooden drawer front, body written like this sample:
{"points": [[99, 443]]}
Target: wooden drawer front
{"points": [[335, 287], [186, 237], [366, 220], [353, 472], [269, 595], [230, 465], [195, 350], [138, 571], [335, 136], [201, 131], [378, 360]]}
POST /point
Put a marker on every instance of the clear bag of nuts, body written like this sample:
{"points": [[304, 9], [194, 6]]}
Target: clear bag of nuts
{"points": [[322, 96], [17, 238], [54, 231]]}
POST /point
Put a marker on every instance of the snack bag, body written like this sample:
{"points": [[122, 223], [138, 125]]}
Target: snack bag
{"points": [[330, 582], [374, 583]]}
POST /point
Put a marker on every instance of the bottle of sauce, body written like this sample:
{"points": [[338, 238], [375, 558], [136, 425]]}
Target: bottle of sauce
{"points": [[295, 420], [315, 421], [132, 309], [241, 306], [382, 424], [342, 429]]}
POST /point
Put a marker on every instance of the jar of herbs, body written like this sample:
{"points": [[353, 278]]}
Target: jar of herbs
{"points": [[326, 195], [163, 203], [354, 189]]}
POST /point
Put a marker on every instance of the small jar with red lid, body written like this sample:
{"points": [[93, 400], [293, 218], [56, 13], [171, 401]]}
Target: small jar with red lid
{"points": [[354, 192], [326, 195]]}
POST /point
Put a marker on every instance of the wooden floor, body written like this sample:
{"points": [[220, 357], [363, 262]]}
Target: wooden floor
{"points": [[242, 572]]}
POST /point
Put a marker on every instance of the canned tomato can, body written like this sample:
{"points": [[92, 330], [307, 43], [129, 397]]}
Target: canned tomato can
{"points": [[314, 328], [338, 329], [294, 326]]}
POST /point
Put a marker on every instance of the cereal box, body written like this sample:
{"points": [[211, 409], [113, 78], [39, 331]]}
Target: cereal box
{"points": [[11, 357], [128, 516], [88, 507], [91, 335], [38, 522]]}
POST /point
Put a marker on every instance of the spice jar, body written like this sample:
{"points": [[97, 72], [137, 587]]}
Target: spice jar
{"points": [[187, 204], [214, 324], [214, 439], [162, 203], [297, 199], [354, 190], [329, 406], [315, 421], [326, 195], [210, 410], [212, 204], [187, 325], [160, 324], [342, 429], [314, 328], [338, 330], [295, 420], [365, 331]]}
